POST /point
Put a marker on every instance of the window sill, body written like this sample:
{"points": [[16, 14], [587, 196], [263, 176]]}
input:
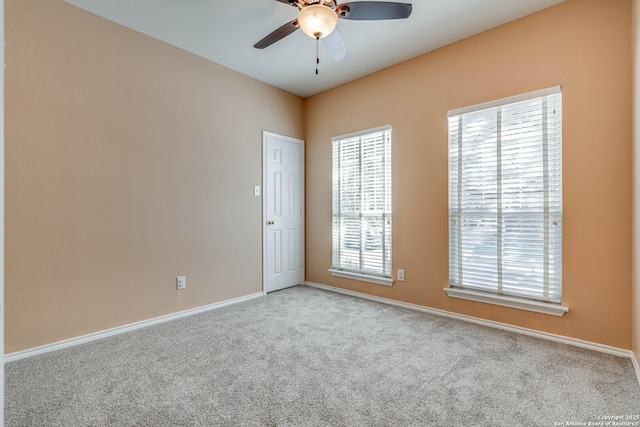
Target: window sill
{"points": [[507, 301], [379, 280]]}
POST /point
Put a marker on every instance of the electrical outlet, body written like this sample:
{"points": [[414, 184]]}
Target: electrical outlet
{"points": [[400, 275], [256, 190], [181, 282]]}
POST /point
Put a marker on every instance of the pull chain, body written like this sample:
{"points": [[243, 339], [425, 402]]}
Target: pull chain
{"points": [[317, 56]]}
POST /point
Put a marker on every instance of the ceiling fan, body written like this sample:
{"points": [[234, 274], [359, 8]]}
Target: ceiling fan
{"points": [[318, 19]]}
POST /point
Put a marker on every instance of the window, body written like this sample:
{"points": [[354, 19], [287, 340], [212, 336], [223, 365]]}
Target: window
{"points": [[362, 206], [505, 199]]}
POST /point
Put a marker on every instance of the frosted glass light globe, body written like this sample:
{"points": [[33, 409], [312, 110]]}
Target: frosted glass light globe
{"points": [[317, 21]]}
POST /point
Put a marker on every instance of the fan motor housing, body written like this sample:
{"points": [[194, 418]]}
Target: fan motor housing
{"points": [[343, 11]]}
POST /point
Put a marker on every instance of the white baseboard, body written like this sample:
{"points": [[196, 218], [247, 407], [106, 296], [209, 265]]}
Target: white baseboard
{"points": [[636, 366], [11, 357], [492, 324]]}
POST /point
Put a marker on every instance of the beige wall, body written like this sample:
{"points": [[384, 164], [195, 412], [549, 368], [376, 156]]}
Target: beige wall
{"points": [[128, 162], [636, 177], [584, 45]]}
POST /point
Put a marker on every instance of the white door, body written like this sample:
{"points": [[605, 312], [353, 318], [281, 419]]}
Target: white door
{"points": [[283, 211]]}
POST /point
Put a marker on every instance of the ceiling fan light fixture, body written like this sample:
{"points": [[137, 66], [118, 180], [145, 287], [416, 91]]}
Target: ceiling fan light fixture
{"points": [[317, 21]]}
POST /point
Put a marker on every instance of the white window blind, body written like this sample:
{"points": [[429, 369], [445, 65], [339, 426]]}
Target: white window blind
{"points": [[505, 196], [362, 202]]}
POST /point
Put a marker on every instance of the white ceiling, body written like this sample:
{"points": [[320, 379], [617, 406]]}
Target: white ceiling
{"points": [[224, 31]]}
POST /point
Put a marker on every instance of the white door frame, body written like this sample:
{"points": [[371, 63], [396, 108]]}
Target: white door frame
{"points": [[265, 134]]}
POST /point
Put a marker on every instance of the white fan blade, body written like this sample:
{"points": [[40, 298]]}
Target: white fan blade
{"points": [[335, 45]]}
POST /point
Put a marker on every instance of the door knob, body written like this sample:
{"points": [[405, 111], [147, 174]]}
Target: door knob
{"points": [[270, 222]]}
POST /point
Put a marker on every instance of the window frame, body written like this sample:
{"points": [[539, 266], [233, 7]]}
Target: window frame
{"points": [[362, 274], [470, 292]]}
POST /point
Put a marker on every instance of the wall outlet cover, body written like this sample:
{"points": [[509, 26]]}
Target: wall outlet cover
{"points": [[181, 282]]}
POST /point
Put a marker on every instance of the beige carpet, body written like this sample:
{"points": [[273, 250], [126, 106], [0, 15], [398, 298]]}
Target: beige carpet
{"points": [[306, 357]]}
